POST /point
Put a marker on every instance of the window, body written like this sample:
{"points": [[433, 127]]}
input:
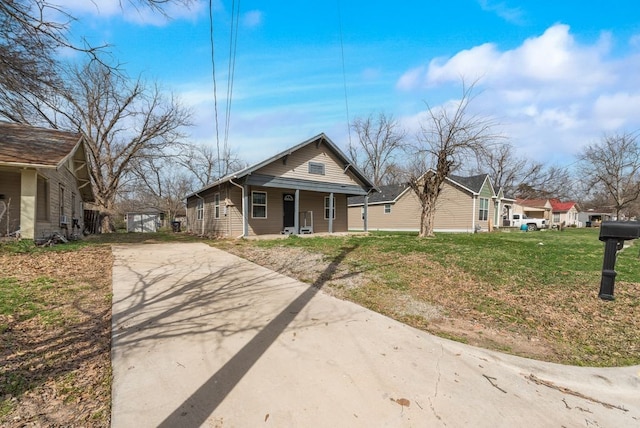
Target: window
{"points": [[200, 209], [42, 204], [73, 205], [216, 205], [387, 208], [259, 204], [484, 209], [556, 217], [61, 203], [326, 208], [316, 168]]}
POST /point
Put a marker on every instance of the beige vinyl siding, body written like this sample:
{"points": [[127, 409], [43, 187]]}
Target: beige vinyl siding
{"points": [[56, 179], [208, 225], [234, 211], [404, 215], [455, 212], [296, 166], [273, 222]]}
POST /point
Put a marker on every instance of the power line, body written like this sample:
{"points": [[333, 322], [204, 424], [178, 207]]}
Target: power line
{"points": [[344, 73], [215, 88], [233, 46]]}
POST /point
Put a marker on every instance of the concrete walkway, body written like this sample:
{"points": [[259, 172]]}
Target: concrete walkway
{"points": [[204, 338]]}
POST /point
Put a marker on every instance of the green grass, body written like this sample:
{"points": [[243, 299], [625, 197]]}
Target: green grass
{"points": [[540, 284]]}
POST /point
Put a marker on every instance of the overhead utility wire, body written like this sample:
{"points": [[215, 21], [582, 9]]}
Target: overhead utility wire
{"points": [[215, 88], [233, 46], [344, 73]]}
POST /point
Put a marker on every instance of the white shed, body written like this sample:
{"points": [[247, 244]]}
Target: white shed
{"points": [[143, 222]]}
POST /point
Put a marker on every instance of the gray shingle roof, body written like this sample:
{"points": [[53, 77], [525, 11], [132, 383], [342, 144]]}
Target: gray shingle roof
{"points": [[391, 192]]}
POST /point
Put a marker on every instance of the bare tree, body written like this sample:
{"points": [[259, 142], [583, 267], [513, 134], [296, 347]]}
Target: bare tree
{"points": [[203, 163], [123, 121], [613, 166], [31, 33], [449, 137], [380, 140], [159, 184], [520, 177]]}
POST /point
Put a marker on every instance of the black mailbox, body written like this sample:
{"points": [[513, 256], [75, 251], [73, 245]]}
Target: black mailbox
{"points": [[614, 233]]}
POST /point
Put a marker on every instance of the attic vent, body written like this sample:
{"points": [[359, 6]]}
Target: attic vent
{"points": [[316, 168]]}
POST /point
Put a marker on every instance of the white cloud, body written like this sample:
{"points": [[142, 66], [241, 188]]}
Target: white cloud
{"points": [[133, 11], [551, 93], [616, 111], [509, 14], [252, 19]]}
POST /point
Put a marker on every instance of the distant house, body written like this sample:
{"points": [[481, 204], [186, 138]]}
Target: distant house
{"points": [[593, 217], [533, 208], [301, 190], [466, 204], [44, 181], [564, 212]]}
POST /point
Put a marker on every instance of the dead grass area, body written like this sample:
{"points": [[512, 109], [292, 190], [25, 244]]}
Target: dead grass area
{"points": [[550, 323], [55, 348]]}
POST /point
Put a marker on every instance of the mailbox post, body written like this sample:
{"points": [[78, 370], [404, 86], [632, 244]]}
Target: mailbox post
{"points": [[613, 234]]}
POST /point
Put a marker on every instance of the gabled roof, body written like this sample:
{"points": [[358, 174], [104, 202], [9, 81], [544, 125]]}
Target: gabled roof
{"points": [[25, 145], [558, 206], [473, 183], [318, 139], [391, 193], [533, 203], [385, 194]]}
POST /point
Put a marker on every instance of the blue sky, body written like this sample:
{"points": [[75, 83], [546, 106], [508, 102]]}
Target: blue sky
{"points": [[555, 75]]}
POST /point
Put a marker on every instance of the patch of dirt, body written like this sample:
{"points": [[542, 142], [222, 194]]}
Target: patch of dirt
{"points": [[409, 307], [57, 372]]}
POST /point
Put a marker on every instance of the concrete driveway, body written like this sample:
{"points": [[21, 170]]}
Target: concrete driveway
{"points": [[204, 338]]}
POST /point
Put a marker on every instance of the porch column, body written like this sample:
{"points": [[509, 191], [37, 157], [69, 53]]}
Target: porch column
{"points": [[331, 212], [245, 211], [28, 192], [366, 212], [296, 210]]}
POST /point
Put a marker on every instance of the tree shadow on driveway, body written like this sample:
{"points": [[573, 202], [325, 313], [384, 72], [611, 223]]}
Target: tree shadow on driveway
{"points": [[186, 308]]}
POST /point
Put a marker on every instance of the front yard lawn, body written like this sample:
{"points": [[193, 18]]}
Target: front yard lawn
{"points": [[528, 293]]}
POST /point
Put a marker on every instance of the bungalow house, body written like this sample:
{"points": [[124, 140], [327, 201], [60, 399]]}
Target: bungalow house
{"points": [[466, 204], [533, 208], [564, 212], [44, 181], [301, 190]]}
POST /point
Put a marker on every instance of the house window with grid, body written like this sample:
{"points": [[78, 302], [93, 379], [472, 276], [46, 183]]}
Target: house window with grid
{"points": [[216, 205], [326, 208], [484, 209], [200, 209], [387, 208], [316, 168], [259, 204], [556, 217]]}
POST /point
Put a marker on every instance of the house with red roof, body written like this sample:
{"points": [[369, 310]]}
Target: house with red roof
{"points": [[564, 212]]}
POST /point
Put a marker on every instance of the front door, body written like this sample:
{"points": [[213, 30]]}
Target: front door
{"points": [[289, 209]]}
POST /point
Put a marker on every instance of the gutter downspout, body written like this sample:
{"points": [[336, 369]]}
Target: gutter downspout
{"points": [[473, 215], [203, 206], [244, 215]]}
